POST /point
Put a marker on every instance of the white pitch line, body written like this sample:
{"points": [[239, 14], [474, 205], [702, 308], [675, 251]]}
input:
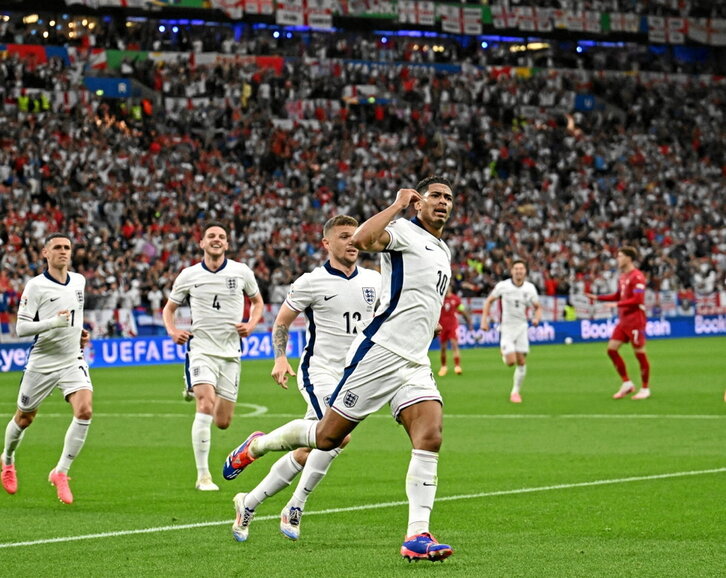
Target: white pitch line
{"points": [[187, 415], [370, 507]]}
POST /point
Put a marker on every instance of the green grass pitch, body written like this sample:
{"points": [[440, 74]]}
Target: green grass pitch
{"points": [[569, 483]]}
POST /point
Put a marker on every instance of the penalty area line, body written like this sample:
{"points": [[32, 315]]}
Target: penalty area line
{"points": [[513, 492]]}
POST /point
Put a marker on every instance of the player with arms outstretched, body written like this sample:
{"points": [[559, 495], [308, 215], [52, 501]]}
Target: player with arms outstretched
{"points": [[630, 301], [334, 298], [388, 361], [51, 308], [215, 289]]}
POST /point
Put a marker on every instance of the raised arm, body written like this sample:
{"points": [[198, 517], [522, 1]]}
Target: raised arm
{"points": [[372, 236]]}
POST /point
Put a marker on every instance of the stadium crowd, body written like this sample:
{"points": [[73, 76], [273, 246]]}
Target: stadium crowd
{"points": [[275, 155], [157, 34]]}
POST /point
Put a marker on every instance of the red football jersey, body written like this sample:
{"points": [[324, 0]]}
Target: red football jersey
{"points": [[448, 310], [630, 296]]}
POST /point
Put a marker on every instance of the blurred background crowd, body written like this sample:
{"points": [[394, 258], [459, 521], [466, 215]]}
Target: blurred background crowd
{"points": [[344, 122]]}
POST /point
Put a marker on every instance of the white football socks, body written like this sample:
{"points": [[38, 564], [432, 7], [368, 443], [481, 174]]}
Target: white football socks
{"points": [[281, 475], [314, 471], [75, 438], [519, 372], [202, 441], [13, 436], [421, 481], [298, 433]]}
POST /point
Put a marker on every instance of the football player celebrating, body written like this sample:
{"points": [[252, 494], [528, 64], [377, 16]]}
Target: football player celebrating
{"points": [[334, 298], [388, 361], [517, 296], [215, 289], [51, 308]]}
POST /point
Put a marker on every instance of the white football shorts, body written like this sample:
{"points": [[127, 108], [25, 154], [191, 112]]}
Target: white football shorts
{"points": [[375, 376], [513, 340], [220, 372], [35, 387], [316, 388]]}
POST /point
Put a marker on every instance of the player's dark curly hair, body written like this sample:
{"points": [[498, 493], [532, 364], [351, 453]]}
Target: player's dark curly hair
{"points": [[423, 185]]}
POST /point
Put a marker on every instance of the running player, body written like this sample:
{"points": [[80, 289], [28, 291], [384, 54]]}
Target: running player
{"points": [[51, 308], [517, 296], [334, 298], [215, 289], [388, 361]]}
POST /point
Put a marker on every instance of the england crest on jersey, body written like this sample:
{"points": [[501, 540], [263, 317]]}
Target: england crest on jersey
{"points": [[369, 294], [232, 285], [350, 399], [79, 296]]}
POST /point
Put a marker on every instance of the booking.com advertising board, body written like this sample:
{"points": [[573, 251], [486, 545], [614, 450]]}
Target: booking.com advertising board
{"points": [[157, 350]]}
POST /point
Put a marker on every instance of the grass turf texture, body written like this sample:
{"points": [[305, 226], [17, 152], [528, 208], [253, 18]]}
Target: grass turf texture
{"points": [[137, 472]]}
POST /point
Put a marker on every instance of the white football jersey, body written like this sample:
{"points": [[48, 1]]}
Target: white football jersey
{"points": [[43, 298], [216, 299], [333, 305], [416, 268], [515, 301]]}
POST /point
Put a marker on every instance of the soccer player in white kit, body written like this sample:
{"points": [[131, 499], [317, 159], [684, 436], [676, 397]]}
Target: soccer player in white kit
{"points": [[215, 289], [388, 361], [51, 308], [517, 296], [334, 298]]}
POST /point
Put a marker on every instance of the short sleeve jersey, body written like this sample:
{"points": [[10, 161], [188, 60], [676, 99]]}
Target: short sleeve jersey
{"points": [[415, 268], [217, 302], [43, 298], [631, 288], [515, 301], [448, 317], [333, 304]]}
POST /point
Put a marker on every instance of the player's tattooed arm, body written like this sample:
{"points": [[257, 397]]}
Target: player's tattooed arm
{"points": [[280, 336]]}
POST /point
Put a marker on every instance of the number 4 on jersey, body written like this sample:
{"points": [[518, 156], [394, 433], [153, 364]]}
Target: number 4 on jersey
{"points": [[216, 304]]}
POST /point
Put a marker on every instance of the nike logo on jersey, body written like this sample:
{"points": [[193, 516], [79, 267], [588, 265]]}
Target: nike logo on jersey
{"points": [[326, 298], [427, 484], [429, 248], [54, 299]]}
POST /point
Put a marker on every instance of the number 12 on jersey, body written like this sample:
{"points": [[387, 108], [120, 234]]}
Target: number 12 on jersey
{"points": [[350, 320]]}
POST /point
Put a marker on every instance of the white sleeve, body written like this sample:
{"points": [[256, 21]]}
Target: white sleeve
{"points": [[534, 297], [301, 294], [27, 324], [180, 289], [26, 328], [251, 288], [397, 231], [497, 291]]}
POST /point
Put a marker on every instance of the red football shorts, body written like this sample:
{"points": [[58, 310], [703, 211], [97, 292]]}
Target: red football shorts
{"points": [[448, 333], [630, 333]]}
